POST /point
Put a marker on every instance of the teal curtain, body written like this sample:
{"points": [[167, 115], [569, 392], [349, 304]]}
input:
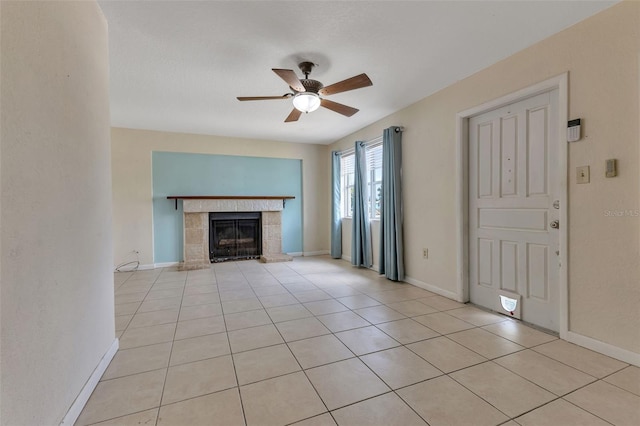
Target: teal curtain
{"points": [[391, 241], [361, 233], [336, 216]]}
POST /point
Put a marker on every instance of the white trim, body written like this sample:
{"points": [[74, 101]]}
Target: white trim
{"points": [[373, 267], [165, 264], [563, 196], [296, 254], [432, 288], [462, 209], [315, 253], [157, 265], [88, 388], [146, 266], [604, 348], [561, 83], [153, 225], [527, 92]]}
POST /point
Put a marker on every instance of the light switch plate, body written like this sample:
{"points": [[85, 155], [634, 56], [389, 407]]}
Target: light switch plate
{"points": [[582, 174]]}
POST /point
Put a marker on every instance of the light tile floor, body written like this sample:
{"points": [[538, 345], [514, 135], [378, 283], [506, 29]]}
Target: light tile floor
{"points": [[318, 342]]}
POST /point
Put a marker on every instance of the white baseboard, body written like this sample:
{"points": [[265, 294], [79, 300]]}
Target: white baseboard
{"points": [[147, 266], [157, 265], [604, 348], [373, 267], [296, 254], [316, 253], [584, 341], [88, 388], [431, 288], [165, 264]]}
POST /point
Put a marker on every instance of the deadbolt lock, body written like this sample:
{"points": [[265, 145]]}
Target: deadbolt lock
{"points": [[555, 224]]}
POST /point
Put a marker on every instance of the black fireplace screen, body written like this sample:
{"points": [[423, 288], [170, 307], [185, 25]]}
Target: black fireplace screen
{"points": [[234, 236]]}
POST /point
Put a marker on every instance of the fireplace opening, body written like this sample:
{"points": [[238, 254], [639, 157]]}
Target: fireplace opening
{"points": [[234, 236]]}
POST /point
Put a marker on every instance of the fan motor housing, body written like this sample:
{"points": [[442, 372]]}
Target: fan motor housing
{"points": [[310, 85]]}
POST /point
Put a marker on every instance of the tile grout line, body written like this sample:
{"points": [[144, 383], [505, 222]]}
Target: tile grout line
{"points": [[576, 368], [141, 302], [355, 356], [526, 379], [298, 362], [119, 417], [101, 380], [233, 363], [175, 330], [613, 384], [307, 376], [582, 408], [332, 333]]}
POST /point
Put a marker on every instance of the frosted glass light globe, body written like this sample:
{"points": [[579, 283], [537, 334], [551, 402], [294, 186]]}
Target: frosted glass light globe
{"points": [[306, 102]]}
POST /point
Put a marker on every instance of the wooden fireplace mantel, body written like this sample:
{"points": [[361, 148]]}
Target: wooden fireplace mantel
{"points": [[230, 197]]}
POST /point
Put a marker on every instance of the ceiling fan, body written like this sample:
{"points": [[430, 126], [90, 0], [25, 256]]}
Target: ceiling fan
{"points": [[306, 92]]}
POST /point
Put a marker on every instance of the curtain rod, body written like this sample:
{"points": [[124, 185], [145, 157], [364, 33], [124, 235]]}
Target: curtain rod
{"points": [[373, 141], [349, 151]]}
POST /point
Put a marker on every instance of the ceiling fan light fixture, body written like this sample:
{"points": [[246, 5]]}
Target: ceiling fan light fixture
{"points": [[306, 101]]}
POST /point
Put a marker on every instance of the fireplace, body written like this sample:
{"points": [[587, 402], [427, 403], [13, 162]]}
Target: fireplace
{"points": [[198, 224], [234, 236]]}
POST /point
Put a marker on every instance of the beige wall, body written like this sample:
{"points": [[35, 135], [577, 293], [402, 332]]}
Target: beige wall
{"points": [[347, 229], [601, 56], [132, 185], [57, 287]]}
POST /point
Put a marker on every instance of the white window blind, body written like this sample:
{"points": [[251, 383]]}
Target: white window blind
{"points": [[348, 164], [347, 175], [373, 161], [374, 170], [374, 156]]}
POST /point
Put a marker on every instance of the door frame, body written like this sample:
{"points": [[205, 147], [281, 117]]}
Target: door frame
{"points": [[561, 83]]}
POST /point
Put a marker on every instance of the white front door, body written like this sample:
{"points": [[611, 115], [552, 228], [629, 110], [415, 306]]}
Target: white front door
{"points": [[513, 213]]}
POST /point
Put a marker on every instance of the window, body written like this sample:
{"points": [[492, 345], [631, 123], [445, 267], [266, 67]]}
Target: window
{"points": [[374, 171], [347, 175]]}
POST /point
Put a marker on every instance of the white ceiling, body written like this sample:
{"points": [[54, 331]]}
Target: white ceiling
{"points": [[178, 66]]}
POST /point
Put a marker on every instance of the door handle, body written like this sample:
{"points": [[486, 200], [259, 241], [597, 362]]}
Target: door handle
{"points": [[555, 224]]}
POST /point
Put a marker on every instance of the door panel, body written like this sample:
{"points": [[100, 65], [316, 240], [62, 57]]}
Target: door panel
{"points": [[538, 270], [513, 181], [509, 263], [485, 262], [509, 154], [523, 219], [485, 152], [537, 155]]}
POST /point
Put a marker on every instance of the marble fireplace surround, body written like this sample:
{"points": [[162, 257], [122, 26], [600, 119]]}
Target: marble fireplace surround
{"points": [[196, 211]]}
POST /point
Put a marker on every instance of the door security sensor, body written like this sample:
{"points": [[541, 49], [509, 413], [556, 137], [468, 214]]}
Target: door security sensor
{"points": [[573, 130]]}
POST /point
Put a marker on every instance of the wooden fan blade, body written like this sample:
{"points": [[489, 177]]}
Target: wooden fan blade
{"points": [[294, 116], [291, 79], [339, 108], [261, 98], [352, 83]]}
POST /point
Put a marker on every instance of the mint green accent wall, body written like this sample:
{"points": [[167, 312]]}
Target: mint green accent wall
{"points": [[203, 174]]}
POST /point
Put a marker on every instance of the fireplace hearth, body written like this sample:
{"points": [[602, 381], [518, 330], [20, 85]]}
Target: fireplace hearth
{"points": [[234, 236]]}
